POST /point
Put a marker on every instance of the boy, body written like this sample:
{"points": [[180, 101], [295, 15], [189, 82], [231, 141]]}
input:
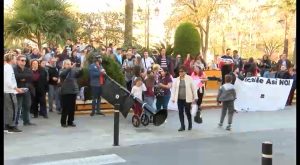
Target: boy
{"points": [[227, 95]]}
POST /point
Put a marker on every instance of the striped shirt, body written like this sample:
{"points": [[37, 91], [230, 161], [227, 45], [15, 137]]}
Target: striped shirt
{"points": [[163, 63]]}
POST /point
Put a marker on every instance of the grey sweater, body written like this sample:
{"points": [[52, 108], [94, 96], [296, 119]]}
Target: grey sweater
{"points": [[226, 93]]}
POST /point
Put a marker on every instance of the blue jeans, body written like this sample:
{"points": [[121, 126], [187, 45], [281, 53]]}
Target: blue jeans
{"points": [[162, 101], [53, 94], [96, 96], [24, 104]]}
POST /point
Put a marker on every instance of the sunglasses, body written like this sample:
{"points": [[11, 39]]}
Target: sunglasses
{"points": [[22, 60]]}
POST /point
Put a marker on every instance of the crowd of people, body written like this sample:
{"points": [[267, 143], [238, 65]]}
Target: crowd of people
{"points": [[31, 74]]}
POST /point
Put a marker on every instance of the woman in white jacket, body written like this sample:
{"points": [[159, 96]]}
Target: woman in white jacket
{"points": [[185, 92]]}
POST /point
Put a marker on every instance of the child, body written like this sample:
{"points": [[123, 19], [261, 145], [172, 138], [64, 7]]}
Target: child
{"points": [[227, 95], [137, 91]]}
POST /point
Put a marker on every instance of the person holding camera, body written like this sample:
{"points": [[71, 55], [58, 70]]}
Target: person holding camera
{"points": [[96, 76], [69, 91]]}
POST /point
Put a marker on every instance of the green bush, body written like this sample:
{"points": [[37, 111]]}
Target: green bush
{"points": [[187, 40], [110, 65]]}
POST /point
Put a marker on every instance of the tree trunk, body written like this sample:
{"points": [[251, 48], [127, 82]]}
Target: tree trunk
{"points": [[294, 54], [206, 37], [39, 41], [128, 23]]}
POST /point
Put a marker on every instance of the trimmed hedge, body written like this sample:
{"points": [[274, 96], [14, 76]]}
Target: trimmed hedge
{"points": [[187, 40], [110, 65]]}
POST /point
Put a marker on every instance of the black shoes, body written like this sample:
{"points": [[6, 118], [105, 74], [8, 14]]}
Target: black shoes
{"points": [[64, 126], [13, 129], [45, 116], [72, 125], [97, 113], [190, 128], [181, 129], [228, 128], [100, 113], [29, 124]]}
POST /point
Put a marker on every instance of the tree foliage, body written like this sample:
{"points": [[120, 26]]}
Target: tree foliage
{"points": [[40, 21], [168, 46], [187, 40]]}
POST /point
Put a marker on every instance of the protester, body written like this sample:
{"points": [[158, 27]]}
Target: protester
{"points": [[238, 62], [177, 64], [292, 72], [24, 78], [96, 77], [185, 92], [199, 76], [149, 96], [282, 73], [227, 95], [128, 69], [250, 68], [265, 64], [165, 61], [165, 83], [226, 64], [283, 61], [272, 73], [188, 63], [53, 93], [10, 90], [69, 90], [147, 61], [40, 84]]}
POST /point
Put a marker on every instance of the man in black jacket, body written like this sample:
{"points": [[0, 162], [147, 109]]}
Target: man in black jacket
{"points": [[53, 93], [23, 76]]}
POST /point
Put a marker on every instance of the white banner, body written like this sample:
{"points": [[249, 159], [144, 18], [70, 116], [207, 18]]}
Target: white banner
{"points": [[261, 94]]}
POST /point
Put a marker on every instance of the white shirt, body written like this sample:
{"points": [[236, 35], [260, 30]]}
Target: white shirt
{"points": [[138, 91], [9, 79], [149, 61]]}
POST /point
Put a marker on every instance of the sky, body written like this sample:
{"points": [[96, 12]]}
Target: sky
{"points": [[156, 29]]}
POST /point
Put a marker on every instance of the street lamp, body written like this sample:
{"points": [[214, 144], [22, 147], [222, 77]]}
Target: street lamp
{"points": [[146, 17], [286, 42]]}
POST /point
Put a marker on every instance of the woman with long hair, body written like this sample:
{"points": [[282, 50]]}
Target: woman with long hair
{"points": [[200, 78], [165, 84]]}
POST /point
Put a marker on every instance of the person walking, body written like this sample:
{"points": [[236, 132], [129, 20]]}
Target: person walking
{"points": [[10, 90], [227, 95], [199, 76], [96, 75], [69, 91], [185, 92]]}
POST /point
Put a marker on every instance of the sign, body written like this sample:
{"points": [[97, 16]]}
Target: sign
{"points": [[261, 94]]}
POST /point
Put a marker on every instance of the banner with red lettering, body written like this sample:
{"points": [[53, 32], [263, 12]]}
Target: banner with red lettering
{"points": [[261, 94]]}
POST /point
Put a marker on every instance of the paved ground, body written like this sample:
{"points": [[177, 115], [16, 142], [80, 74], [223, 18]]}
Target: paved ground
{"points": [[205, 143]]}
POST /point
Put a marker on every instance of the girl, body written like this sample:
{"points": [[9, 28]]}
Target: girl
{"points": [[199, 77], [137, 91]]}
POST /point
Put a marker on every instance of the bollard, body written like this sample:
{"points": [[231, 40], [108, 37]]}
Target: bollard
{"points": [[116, 122], [266, 158]]}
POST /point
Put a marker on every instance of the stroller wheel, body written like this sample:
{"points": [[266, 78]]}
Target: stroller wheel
{"points": [[145, 120], [135, 121]]}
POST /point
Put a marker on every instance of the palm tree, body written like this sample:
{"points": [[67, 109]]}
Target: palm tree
{"points": [[39, 21]]}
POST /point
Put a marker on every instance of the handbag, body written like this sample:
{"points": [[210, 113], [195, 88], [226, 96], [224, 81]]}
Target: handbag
{"points": [[158, 91], [198, 117]]}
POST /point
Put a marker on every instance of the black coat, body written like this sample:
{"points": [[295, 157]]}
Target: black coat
{"points": [[53, 72], [41, 85], [21, 75]]}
